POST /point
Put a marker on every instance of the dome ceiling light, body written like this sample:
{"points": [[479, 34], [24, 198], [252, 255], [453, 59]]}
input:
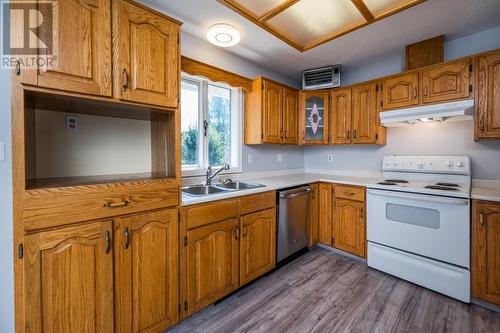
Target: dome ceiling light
{"points": [[223, 35]]}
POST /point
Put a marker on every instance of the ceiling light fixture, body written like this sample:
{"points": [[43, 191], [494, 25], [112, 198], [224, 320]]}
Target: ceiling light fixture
{"points": [[224, 35]]}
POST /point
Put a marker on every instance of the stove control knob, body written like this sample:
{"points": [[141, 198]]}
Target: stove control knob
{"points": [[449, 164], [420, 164], [460, 164], [395, 163]]}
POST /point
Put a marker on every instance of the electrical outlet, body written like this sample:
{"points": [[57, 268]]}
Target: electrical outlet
{"points": [[2, 151], [250, 158], [280, 157], [72, 124], [330, 157]]}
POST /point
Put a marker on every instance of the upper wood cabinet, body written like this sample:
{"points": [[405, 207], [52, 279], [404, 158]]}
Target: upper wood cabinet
{"points": [[349, 227], [82, 48], [314, 212], [354, 116], [446, 82], [400, 91], [212, 263], [488, 101], [313, 117], [68, 278], [146, 55], [271, 113], [290, 116], [486, 251], [325, 213], [257, 244], [146, 272]]}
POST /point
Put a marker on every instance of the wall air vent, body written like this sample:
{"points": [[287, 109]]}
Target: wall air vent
{"points": [[321, 78]]}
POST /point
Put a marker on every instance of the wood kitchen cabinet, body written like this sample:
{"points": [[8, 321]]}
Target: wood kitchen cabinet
{"points": [[271, 113], [349, 219], [354, 116], [146, 271], [400, 91], [488, 101], [325, 213], [314, 215], [446, 82], [486, 251], [82, 49], [68, 279], [145, 55], [212, 262], [313, 117], [257, 244]]}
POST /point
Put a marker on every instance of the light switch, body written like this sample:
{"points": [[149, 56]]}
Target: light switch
{"points": [[330, 157], [280, 157], [250, 158], [2, 151]]}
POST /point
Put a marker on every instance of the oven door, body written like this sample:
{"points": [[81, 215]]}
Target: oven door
{"points": [[433, 226]]}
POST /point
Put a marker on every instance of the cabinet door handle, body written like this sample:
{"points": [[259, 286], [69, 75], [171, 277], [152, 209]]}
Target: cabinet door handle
{"points": [[481, 124], [107, 239], [481, 217], [245, 231], [18, 68], [126, 234], [237, 232], [415, 93], [125, 79], [362, 215], [117, 204], [348, 134], [349, 193]]}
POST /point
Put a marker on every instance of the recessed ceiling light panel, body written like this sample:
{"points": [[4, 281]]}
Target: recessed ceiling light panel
{"points": [[224, 35]]}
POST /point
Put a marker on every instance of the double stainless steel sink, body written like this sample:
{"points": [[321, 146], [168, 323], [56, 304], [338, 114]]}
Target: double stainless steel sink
{"points": [[204, 190]]}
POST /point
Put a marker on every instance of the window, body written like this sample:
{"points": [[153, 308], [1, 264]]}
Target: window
{"points": [[210, 125]]}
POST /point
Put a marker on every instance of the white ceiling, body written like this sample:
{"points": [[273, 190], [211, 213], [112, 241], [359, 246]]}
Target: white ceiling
{"points": [[453, 18]]}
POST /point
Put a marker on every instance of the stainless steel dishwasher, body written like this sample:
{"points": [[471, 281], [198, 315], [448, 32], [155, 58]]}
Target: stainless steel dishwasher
{"points": [[293, 225]]}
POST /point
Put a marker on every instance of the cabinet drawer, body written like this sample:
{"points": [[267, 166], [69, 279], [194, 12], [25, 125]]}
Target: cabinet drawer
{"points": [[256, 202], [45, 208], [350, 192], [211, 212]]}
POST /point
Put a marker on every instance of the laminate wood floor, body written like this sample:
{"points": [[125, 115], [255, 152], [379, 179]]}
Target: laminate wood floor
{"points": [[326, 292]]}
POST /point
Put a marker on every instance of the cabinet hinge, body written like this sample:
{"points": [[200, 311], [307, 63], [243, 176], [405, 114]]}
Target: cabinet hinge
{"points": [[470, 68], [185, 305], [376, 87], [381, 103], [376, 136], [185, 241], [470, 88], [20, 251]]}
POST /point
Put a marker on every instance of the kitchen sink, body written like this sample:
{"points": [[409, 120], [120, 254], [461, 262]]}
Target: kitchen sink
{"points": [[204, 190], [235, 186]]}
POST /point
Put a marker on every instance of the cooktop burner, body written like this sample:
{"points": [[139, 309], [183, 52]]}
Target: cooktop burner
{"points": [[386, 183], [440, 187], [448, 184], [397, 181]]}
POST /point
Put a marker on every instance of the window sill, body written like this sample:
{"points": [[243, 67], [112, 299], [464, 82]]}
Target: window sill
{"points": [[203, 172]]}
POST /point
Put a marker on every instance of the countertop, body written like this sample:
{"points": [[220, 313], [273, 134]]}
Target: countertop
{"points": [[485, 193]]}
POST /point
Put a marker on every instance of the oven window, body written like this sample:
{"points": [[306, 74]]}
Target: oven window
{"points": [[423, 217]]}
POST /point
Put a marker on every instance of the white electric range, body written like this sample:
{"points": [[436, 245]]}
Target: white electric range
{"points": [[418, 222]]}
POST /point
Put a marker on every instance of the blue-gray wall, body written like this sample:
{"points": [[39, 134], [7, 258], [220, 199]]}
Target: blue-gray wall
{"points": [[6, 242], [425, 139]]}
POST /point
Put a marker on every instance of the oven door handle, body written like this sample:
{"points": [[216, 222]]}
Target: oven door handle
{"points": [[419, 197]]}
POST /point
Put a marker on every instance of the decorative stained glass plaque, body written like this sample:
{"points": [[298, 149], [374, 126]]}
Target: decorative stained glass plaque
{"points": [[315, 119]]}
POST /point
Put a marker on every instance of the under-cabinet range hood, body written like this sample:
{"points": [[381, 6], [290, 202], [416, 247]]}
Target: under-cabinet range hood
{"points": [[451, 111]]}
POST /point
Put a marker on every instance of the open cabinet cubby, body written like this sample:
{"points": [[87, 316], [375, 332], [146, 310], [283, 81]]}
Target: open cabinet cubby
{"points": [[71, 141]]}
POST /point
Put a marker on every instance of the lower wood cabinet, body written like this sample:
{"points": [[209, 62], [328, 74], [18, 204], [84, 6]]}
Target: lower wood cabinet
{"points": [[486, 251], [212, 263], [314, 215], [78, 278], [257, 244], [325, 213], [146, 272], [69, 279]]}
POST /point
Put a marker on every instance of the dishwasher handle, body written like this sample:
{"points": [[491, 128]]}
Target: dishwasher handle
{"points": [[295, 194]]}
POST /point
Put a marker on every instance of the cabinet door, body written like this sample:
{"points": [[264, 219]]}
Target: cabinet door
{"points": [[314, 218], [340, 130], [350, 226], [82, 47], [488, 120], [486, 252], [290, 116], [257, 244], [314, 117], [272, 109], [146, 56], [400, 91], [364, 113], [146, 271], [325, 213], [69, 279], [446, 82], [212, 267]]}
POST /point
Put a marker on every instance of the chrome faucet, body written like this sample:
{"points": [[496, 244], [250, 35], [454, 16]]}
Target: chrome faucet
{"points": [[211, 175]]}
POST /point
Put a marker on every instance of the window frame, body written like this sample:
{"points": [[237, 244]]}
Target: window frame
{"points": [[236, 111]]}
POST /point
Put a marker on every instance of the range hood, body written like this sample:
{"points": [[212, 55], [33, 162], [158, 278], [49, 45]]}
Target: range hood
{"points": [[451, 111]]}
